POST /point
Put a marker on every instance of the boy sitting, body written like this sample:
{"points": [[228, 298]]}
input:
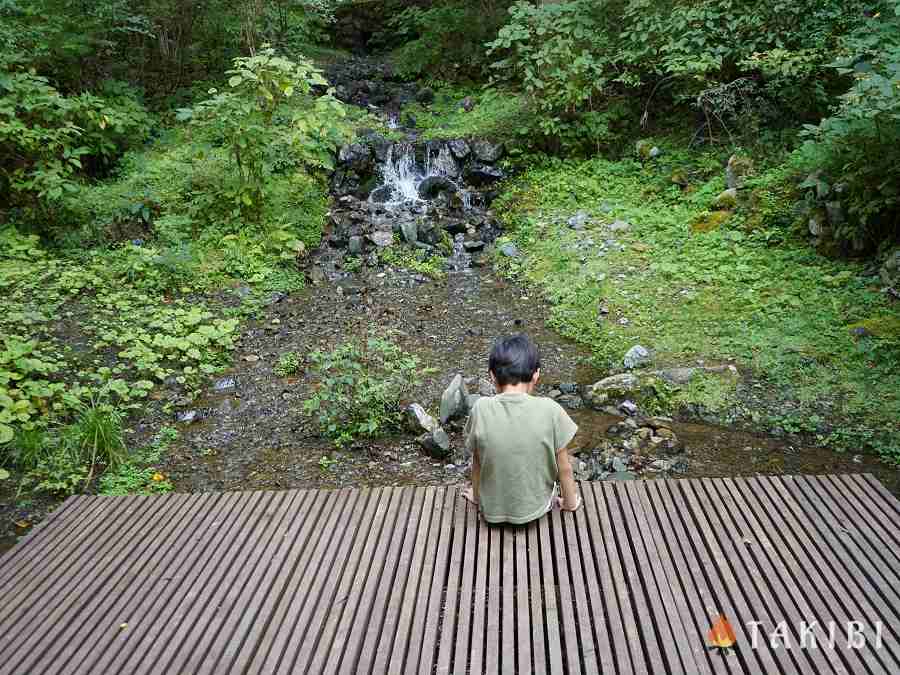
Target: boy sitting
{"points": [[519, 441]]}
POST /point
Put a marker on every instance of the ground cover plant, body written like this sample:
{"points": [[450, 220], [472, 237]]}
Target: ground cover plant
{"points": [[747, 289]]}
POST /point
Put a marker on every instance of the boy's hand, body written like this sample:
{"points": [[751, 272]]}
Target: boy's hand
{"points": [[561, 505], [469, 495]]}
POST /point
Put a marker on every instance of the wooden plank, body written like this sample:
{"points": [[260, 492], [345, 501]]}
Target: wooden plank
{"points": [[688, 588], [588, 647], [350, 594], [682, 649], [478, 602], [464, 513], [269, 648], [713, 580], [102, 614], [410, 580], [202, 638], [399, 578], [320, 594], [524, 635], [59, 598], [371, 592], [538, 617], [415, 592], [254, 622], [634, 611], [435, 579], [507, 646], [546, 582], [495, 585], [570, 640], [607, 616], [853, 568], [794, 545], [242, 628], [742, 545]]}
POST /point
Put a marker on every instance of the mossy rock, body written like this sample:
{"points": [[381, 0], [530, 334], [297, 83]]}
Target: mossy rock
{"points": [[886, 327], [709, 222], [727, 200]]}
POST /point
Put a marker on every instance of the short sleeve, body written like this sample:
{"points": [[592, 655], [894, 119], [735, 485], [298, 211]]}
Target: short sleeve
{"points": [[564, 429], [470, 433]]}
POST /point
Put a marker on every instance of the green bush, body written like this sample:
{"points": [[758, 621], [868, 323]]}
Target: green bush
{"points": [[855, 147], [288, 364], [360, 388]]}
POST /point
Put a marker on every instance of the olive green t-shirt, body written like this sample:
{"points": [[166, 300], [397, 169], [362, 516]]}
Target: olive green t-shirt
{"points": [[517, 436]]}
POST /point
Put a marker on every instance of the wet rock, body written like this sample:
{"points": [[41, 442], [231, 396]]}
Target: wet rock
{"points": [[642, 149], [554, 393], [615, 387], [474, 245], [737, 170], [509, 250], [568, 387], [382, 238], [459, 148], [637, 356], [356, 155], [618, 464], [726, 200], [317, 275], [425, 96], [467, 104], [628, 407], [418, 421], [488, 152], [571, 401], [189, 416], [225, 384], [410, 230], [356, 245], [622, 476], [435, 443], [434, 185], [890, 270], [579, 220], [655, 152], [453, 400], [479, 174], [618, 226]]}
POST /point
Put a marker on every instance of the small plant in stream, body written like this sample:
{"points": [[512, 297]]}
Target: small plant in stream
{"points": [[361, 383], [288, 364]]}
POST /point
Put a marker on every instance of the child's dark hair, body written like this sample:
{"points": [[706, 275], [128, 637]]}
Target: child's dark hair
{"points": [[514, 359]]}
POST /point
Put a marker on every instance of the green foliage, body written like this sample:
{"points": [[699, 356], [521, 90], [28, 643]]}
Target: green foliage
{"points": [[749, 292], [139, 474], [444, 39], [414, 260], [244, 116], [288, 364], [361, 384], [855, 146], [47, 140]]}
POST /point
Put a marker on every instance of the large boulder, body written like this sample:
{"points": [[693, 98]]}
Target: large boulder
{"points": [[419, 421], [636, 356], [459, 148], [432, 186], [487, 152], [738, 169], [436, 443], [615, 388], [454, 400], [479, 174], [890, 271]]}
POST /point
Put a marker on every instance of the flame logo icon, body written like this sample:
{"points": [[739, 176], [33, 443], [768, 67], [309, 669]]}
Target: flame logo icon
{"points": [[721, 634]]}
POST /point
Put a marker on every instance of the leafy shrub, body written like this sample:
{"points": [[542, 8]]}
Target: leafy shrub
{"points": [[855, 146], [360, 387], [445, 38], [46, 138], [244, 117], [288, 364]]}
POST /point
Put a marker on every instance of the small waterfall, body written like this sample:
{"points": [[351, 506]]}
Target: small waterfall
{"points": [[400, 174], [441, 164], [460, 259]]}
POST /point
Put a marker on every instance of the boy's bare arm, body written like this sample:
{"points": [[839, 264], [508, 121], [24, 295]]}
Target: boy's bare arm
{"points": [[569, 491]]}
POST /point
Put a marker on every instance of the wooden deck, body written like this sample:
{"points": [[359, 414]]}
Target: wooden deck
{"points": [[409, 581]]}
